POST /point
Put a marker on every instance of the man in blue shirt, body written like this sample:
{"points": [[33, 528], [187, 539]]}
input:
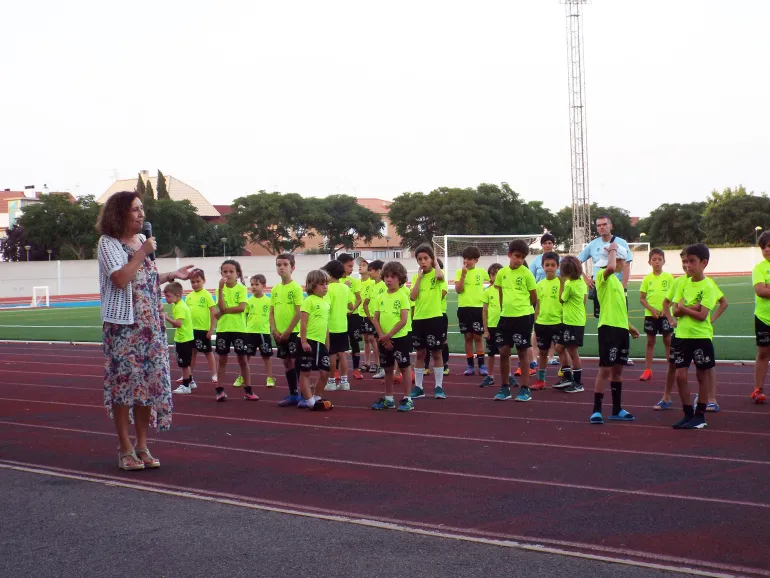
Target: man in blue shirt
{"points": [[547, 242]]}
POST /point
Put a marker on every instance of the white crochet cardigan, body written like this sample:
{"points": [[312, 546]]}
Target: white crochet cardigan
{"points": [[117, 304]]}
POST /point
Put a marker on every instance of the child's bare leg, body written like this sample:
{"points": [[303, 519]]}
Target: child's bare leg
{"points": [[712, 379], [389, 382], [667, 337], [367, 348], [490, 364], [268, 361], [243, 363], [468, 340], [212, 362], [342, 364], [304, 384], [760, 367], [375, 351], [649, 351], [186, 372], [222, 367], [525, 355], [681, 384], [505, 365], [193, 358], [406, 376], [704, 385], [320, 384], [602, 379]]}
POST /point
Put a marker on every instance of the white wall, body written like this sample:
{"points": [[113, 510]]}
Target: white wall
{"points": [[81, 277]]}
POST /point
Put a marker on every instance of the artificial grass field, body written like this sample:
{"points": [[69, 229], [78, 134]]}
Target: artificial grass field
{"points": [[734, 331]]}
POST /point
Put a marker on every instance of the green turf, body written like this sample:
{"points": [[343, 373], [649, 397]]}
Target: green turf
{"points": [[83, 323]]}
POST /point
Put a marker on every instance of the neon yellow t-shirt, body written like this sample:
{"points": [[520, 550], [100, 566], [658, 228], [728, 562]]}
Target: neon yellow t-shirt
{"points": [[405, 290], [612, 301], [338, 298], [491, 297], [365, 287], [761, 274], [656, 288], [284, 300], [428, 302], [444, 293], [233, 322], [258, 315], [573, 297], [390, 306], [516, 285], [180, 310], [473, 288], [694, 292], [200, 304], [549, 312], [317, 310], [354, 285]]}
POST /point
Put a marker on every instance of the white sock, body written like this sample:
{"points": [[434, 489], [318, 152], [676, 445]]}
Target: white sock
{"points": [[439, 377], [312, 400], [419, 373], [344, 379]]}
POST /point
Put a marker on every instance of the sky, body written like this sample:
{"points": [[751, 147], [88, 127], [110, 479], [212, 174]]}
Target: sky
{"points": [[376, 99]]}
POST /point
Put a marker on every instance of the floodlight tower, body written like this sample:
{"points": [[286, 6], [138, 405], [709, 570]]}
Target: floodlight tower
{"points": [[578, 130]]}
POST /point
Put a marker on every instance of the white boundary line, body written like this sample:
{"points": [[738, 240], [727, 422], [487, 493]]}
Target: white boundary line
{"points": [[397, 525]]}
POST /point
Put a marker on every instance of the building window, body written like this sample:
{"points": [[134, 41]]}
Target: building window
{"points": [[398, 254], [384, 229], [379, 254]]}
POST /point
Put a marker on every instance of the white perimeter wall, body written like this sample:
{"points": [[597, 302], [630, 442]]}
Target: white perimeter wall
{"points": [[81, 277]]}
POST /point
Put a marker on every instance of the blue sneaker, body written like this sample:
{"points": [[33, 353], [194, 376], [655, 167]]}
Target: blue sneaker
{"points": [[663, 405], [524, 394], [483, 370], [712, 407], [405, 405], [417, 392], [596, 417], [303, 403], [438, 392], [487, 381], [383, 403], [289, 400], [503, 394], [512, 381], [623, 415], [470, 370]]}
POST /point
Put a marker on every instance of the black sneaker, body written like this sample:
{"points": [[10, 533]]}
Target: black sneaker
{"points": [[697, 422], [573, 388], [563, 384], [681, 423]]}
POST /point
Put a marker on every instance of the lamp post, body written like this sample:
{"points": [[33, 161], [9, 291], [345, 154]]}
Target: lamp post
{"points": [[757, 229], [224, 246], [387, 245], [203, 249], [27, 247], [49, 251]]}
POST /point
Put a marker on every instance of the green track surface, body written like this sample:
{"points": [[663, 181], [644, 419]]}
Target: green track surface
{"points": [[734, 330]]}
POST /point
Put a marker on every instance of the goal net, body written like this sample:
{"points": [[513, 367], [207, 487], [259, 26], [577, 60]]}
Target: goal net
{"points": [[40, 297], [493, 248]]}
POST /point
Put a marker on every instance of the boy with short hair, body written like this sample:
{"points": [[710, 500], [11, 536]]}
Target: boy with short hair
{"points": [[181, 319], [693, 302], [258, 326], [285, 301], [391, 319], [354, 320], [204, 319], [573, 292], [760, 280], [375, 289], [338, 296], [313, 337], [548, 315], [653, 293], [491, 318], [517, 293], [614, 333], [469, 284], [367, 329]]}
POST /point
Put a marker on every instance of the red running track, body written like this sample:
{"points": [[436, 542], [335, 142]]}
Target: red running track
{"points": [[536, 473]]}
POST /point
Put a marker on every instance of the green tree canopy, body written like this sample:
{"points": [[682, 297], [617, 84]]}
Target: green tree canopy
{"points": [[59, 224], [162, 192], [673, 224], [342, 221], [276, 221], [148, 192], [12, 246], [174, 224], [211, 235], [732, 216], [140, 188], [415, 222], [621, 223]]}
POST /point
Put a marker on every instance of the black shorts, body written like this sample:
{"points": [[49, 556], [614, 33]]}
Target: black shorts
{"points": [[289, 349], [445, 319], [429, 333], [355, 324], [654, 326], [492, 342], [315, 359], [236, 340], [614, 343], [202, 343], [470, 320], [367, 327], [572, 335], [259, 342], [402, 347], [184, 353], [338, 343], [547, 334], [674, 349], [515, 332], [762, 331], [700, 351]]}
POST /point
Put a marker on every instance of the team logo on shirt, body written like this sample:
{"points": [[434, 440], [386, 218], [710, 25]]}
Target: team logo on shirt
{"points": [[290, 296], [265, 309], [554, 292], [396, 304], [664, 284]]}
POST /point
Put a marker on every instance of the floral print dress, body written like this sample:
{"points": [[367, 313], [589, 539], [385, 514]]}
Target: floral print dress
{"points": [[136, 369]]}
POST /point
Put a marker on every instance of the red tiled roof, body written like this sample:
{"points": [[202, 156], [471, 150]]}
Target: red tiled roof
{"points": [[223, 209], [379, 206]]}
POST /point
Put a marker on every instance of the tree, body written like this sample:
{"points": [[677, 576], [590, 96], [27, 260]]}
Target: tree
{"points": [[621, 223], [162, 190], [211, 235], [537, 217], [415, 222], [342, 221], [12, 246], [673, 224], [732, 216], [276, 221], [140, 188], [62, 225], [148, 192], [175, 224]]}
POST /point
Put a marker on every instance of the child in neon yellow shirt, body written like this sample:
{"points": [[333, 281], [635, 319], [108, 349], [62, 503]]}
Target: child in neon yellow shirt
{"points": [[181, 319], [314, 335], [655, 287]]}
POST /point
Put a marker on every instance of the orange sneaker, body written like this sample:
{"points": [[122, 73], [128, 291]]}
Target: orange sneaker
{"points": [[517, 373], [533, 371], [758, 395], [539, 384], [357, 374], [398, 379], [646, 376], [337, 376]]}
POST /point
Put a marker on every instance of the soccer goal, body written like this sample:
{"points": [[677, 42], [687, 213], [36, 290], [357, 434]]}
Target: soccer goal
{"points": [[40, 297], [493, 248]]}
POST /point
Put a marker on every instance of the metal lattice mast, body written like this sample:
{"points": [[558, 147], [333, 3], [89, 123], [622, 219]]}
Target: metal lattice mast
{"points": [[581, 208]]}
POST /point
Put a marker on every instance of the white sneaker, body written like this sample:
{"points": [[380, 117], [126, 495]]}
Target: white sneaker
{"points": [[182, 389], [344, 385], [331, 385], [193, 385], [554, 361], [630, 362], [180, 380], [380, 374], [214, 378]]}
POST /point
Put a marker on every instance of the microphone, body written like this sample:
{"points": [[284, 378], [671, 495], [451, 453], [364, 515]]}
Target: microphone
{"points": [[147, 232]]}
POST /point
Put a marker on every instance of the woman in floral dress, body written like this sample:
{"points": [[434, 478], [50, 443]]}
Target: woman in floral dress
{"points": [[137, 384]]}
